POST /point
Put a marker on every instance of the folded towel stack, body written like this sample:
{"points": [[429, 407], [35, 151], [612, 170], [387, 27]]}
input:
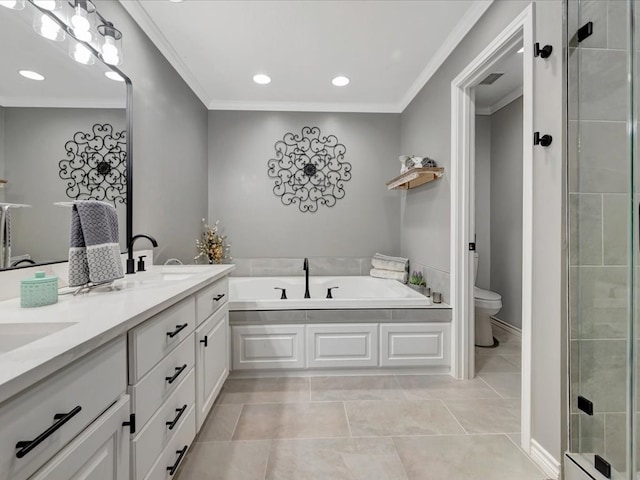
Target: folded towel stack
{"points": [[384, 266], [94, 252]]}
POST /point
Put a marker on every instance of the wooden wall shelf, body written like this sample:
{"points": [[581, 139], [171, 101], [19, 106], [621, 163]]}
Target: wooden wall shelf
{"points": [[415, 177]]}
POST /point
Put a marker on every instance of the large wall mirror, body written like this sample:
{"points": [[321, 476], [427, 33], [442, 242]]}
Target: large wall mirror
{"points": [[62, 138]]}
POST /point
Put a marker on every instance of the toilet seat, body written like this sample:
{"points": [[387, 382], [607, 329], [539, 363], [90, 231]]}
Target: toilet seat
{"points": [[487, 299]]}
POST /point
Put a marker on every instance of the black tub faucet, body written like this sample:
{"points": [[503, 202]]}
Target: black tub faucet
{"points": [[305, 267], [131, 264]]}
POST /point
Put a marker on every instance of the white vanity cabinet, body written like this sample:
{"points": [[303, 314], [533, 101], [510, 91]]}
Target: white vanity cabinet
{"points": [[42, 420]]}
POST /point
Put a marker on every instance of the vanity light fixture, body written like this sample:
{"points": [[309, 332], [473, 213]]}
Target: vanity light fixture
{"points": [[50, 5], [113, 76], [12, 4], [82, 18], [341, 81], [44, 25], [81, 54], [110, 43], [31, 75], [262, 79]]}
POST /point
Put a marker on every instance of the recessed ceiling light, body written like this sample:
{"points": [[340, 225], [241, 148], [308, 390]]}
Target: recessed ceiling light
{"points": [[341, 81], [262, 79], [31, 75], [114, 76], [521, 50]]}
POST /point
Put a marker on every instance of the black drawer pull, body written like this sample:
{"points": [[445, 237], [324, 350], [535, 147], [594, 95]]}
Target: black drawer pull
{"points": [[178, 329], [179, 370], [205, 341], [175, 420], [172, 469], [61, 418], [219, 297]]}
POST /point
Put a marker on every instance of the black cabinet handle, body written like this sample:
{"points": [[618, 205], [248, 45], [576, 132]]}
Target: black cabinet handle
{"points": [[178, 329], [172, 423], [219, 297], [205, 341], [172, 469], [27, 445], [179, 370]]}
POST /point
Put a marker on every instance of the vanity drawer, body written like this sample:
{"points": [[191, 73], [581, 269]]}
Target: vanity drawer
{"points": [[157, 385], [211, 298], [152, 340], [82, 391], [149, 443], [174, 454]]}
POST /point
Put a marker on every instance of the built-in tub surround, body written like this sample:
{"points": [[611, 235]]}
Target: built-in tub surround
{"points": [[94, 319]]}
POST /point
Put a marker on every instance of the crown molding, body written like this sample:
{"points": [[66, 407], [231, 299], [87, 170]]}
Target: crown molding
{"points": [[501, 103], [306, 107], [136, 9], [142, 18], [455, 37]]}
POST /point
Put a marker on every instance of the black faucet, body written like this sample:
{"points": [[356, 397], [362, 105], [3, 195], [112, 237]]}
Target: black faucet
{"points": [[27, 260], [131, 264], [305, 267]]}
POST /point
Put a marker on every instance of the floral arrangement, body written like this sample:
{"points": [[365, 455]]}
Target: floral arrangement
{"points": [[212, 245]]}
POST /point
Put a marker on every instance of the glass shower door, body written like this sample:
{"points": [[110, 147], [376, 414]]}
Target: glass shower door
{"points": [[602, 226]]}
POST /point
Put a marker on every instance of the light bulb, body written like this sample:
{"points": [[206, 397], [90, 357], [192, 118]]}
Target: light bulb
{"points": [[49, 28], [82, 54], [79, 21], [46, 4], [84, 36], [110, 52], [12, 4]]}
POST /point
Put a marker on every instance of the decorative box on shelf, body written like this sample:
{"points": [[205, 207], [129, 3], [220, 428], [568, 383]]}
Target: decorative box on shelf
{"points": [[415, 177]]}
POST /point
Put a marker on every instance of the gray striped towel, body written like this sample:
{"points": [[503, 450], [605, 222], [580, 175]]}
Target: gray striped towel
{"points": [[94, 249]]}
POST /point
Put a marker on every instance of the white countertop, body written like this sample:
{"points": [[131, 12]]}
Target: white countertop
{"points": [[97, 317]]}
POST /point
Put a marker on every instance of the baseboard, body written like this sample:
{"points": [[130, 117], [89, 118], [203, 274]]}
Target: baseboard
{"points": [[507, 327], [547, 463]]}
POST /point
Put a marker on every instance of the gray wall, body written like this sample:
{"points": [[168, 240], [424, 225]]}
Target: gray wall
{"points": [[483, 200], [426, 129], [169, 144], [258, 224], [2, 173], [506, 210], [34, 144]]}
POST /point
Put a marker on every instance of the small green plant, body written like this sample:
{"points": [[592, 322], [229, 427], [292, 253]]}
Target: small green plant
{"points": [[417, 279]]}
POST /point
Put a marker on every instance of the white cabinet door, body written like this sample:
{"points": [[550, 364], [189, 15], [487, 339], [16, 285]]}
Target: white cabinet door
{"points": [[101, 452], [414, 344], [342, 345], [257, 347], [212, 361]]}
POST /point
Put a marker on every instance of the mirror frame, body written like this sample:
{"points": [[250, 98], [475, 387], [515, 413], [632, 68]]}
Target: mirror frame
{"points": [[128, 129]]}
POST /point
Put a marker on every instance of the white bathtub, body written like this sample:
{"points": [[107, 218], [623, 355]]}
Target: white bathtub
{"points": [[259, 293]]}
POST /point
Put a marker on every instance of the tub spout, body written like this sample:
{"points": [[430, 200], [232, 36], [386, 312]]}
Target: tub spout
{"points": [[305, 267]]}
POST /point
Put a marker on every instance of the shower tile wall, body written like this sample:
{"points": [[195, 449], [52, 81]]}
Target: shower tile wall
{"points": [[599, 187]]}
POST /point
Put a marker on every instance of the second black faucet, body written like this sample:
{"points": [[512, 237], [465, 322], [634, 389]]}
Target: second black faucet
{"points": [[305, 266]]}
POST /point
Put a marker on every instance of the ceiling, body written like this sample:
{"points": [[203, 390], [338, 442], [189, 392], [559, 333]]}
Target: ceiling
{"points": [[389, 49], [67, 83], [491, 98]]}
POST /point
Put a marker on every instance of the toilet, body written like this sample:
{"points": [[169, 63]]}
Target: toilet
{"points": [[486, 303]]}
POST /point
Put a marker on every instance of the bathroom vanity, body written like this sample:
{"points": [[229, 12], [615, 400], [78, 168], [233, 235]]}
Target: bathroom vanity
{"points": [[114, 383]]}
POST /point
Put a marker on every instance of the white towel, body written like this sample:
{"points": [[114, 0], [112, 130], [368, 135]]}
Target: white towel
{"points": [[381, 273], [94, 251], [385, 262]]}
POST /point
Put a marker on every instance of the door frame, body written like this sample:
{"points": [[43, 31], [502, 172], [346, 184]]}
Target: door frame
{"points": [[463, 208]]}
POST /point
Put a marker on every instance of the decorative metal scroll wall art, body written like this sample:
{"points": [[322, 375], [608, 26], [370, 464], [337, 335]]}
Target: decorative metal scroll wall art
{"points": [[309, 169], [96, 165]]}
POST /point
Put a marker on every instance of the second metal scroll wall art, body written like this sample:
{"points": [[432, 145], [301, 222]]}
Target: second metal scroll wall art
{"points": [[309, 169], [96, 165]]}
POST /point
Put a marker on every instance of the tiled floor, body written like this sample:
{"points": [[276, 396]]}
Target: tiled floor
{"points": [[387, 427]]}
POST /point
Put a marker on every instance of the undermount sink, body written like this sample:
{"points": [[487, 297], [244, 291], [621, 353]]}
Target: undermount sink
{"points": [[16, 335]]}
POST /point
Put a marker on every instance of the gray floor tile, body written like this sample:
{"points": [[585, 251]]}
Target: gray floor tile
{"points": [[409, 417], [443, 386], [508, 385], [265, 390], [492, 415], [384, 387], [226, 461], [335, 459], [494, 364], [465, 457], [220, 423], [292, 420]]}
